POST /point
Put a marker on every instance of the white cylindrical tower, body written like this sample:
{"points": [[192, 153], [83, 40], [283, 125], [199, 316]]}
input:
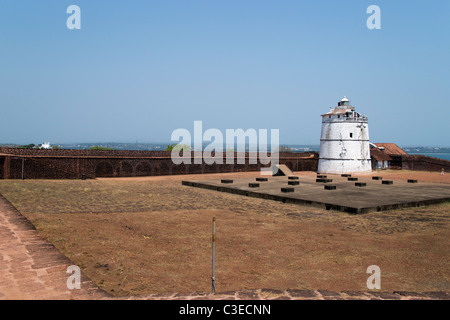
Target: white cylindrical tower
{"points": [[344, 141]]}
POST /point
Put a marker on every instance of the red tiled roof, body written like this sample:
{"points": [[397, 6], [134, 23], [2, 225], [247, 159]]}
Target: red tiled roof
{"points": [[391, 148], [379, 155]]}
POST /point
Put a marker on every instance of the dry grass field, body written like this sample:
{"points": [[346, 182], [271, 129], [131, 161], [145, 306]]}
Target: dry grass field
{"points": [[136, 236]]}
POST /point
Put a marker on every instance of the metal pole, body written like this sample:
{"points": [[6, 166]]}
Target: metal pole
{"points": [[214, 256]]}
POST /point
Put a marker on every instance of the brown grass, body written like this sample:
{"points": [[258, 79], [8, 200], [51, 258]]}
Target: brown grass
{"points": [[137, 236]]}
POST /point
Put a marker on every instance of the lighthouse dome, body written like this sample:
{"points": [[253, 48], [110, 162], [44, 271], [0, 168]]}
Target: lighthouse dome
{"points": [[344, 102]]}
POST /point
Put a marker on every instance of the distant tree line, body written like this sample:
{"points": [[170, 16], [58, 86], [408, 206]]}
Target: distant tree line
{"points": [[26, 146], [176, 147], [101, 148]]}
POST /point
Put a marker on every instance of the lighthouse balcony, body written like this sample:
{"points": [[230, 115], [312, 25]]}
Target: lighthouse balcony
{"points": [[338, 118]]}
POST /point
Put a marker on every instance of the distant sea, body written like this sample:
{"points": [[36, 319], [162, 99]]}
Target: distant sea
{"points": [[445, 156]]}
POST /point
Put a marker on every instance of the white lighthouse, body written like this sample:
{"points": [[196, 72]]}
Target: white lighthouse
{"points": [[344, 141]]}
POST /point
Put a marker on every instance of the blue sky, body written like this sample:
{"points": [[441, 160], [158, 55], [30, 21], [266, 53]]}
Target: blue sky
{"points": [[137, 70]]}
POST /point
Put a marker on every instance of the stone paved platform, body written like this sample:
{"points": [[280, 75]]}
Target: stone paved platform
{"points": [[31, 268], [350, 194]]}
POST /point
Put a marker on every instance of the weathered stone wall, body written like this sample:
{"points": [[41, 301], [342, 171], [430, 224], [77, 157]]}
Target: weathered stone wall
{"points": [[419, 163], [72, 164]]}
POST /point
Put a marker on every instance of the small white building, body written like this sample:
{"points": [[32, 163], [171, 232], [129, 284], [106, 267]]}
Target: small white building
{"points": [[45, 145], [344, 141]]}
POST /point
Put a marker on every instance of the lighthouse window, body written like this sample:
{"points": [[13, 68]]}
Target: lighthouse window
{"points": [[351, 135]]}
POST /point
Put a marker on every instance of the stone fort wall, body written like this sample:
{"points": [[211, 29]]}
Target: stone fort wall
{"points": [[419, 163], [73, 164]]}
